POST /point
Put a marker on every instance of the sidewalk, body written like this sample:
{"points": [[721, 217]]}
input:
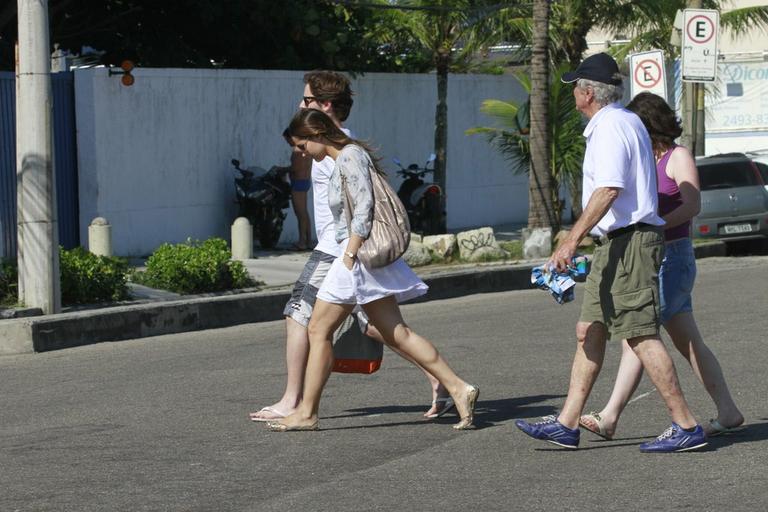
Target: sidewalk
{"points": [[157, 312], [280, 268]]}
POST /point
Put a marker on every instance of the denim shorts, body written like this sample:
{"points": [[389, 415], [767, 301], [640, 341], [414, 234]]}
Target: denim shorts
{"points": [[676, 278]]}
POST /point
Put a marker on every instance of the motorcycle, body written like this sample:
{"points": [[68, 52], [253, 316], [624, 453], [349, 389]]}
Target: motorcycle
{"points": [[421, 199], [262, 197]]}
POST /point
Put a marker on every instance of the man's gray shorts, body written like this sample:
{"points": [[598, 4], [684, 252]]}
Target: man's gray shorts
{"points": [[304, 294]]}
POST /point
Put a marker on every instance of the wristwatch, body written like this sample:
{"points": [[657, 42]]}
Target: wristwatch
{"points": [[351, 256]]}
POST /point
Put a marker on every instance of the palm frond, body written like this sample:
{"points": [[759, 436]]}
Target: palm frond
{"points": [[511, 137], [741, 21], [503, 111], [636, 16], [652, 39]]}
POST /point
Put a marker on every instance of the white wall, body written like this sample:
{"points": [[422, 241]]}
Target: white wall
{"points": [[154, 157], [738, 123]]}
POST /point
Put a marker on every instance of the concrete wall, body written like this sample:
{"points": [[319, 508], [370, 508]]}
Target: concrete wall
{"points": [[154, 157]]}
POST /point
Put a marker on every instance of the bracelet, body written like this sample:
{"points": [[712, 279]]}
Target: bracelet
{"points": [[347, 253]]}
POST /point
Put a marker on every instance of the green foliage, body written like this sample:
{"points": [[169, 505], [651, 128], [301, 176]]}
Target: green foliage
{"points": [[88, 279], [250, 34], [9, 279], [194, 267], [514, 248], [511, 135]]}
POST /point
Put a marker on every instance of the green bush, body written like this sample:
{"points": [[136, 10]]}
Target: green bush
{"points": [[87, 278], [9, 283], [194, 267], [514, 248]]}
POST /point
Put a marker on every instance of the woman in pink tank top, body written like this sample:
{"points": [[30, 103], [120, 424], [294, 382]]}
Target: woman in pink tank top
{"points": [[679, 202]]}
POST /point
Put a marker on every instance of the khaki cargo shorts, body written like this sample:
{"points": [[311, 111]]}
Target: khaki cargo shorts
{"points": [[622, 289]]}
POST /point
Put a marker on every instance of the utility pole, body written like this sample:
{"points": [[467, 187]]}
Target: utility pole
{"points": [[38, 247], [693, 107]]}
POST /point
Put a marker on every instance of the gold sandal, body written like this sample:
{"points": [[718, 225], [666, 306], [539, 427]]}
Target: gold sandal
{"points": [[281, 427], [467, 421]]}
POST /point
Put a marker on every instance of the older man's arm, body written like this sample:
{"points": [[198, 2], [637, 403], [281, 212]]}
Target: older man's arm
{"points": [[599, 204]]}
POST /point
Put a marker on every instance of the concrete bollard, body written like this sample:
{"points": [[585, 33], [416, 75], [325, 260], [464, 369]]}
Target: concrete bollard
{"points": [[242, 239], [100, 237]]}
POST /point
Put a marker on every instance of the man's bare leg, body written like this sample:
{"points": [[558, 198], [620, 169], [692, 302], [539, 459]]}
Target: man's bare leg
{"points": [[661, 370], [296, 352], [590, 351]]}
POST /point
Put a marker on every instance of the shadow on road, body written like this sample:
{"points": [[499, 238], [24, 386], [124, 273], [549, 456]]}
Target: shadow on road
{"points": [[487, 413], [752, 433]]}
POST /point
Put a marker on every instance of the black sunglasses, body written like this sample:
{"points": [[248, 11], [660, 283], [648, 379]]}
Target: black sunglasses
{"points": [[308, 100]]}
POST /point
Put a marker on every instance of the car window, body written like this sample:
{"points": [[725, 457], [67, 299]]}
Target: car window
{"points": [[726, 175], [763, 171]]}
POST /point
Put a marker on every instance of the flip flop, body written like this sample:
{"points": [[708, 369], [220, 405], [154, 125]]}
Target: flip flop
{"points": [[448, 404], [271, 410], [718, 429], [593, 423]]}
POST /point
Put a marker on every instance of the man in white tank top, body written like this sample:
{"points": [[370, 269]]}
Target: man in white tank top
{"points": [[330, 92]]}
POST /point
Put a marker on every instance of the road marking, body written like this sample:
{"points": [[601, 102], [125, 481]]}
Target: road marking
{"points": [[641, 396]]}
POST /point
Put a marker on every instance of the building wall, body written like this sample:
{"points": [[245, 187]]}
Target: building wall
{"points": [[154, 157]]}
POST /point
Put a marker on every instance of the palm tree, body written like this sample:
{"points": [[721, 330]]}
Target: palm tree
{"points": [[451, 31], [541, 211], [512, 137], [648, 22]]}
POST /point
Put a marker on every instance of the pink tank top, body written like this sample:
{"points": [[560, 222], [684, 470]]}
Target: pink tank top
{"points": [[670, 199]]}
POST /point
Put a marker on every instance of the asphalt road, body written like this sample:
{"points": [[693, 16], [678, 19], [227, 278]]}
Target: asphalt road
{"points": [[161, 423]]}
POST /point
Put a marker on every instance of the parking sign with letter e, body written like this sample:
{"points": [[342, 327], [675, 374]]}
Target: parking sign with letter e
{"points": [[699, 47]]}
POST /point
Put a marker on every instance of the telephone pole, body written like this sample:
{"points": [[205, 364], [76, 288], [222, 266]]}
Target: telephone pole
{"points": [[693, 107], [38, 248]]}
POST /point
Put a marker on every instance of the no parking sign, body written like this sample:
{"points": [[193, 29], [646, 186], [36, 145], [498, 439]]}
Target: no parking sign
{"points": [[647, 73]]}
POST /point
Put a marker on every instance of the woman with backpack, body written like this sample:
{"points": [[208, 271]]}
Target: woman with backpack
{"points": [[350, 283]]}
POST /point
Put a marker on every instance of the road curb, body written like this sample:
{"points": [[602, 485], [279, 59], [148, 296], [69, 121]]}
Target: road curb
{"points": [[67, 330]]}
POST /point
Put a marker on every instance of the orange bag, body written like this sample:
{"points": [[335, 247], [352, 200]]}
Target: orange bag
{"points": [[353, 351]]}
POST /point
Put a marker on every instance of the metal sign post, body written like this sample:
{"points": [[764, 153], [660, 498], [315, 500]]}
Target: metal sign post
{"points": [[699, 50], [648, 74]]}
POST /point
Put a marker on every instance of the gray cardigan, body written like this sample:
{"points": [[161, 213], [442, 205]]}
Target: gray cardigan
{"points": [[353, 165]]}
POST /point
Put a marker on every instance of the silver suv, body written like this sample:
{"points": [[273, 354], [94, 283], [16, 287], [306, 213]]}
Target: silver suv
{"points": [[734, 200]]}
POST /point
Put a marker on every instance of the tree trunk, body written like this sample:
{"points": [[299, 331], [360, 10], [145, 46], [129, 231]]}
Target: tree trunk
{"points": [[542, 211], [441, 126]]}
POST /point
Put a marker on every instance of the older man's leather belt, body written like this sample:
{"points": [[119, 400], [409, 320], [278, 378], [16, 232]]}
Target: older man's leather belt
{"points": [[600, 240]]}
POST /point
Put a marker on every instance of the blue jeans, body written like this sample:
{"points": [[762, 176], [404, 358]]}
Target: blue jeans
{"points": [[676, 278]]}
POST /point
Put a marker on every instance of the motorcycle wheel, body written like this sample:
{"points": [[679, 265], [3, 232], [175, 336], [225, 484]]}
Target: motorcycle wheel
{"points": [[433, 219], [270, 230]]}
